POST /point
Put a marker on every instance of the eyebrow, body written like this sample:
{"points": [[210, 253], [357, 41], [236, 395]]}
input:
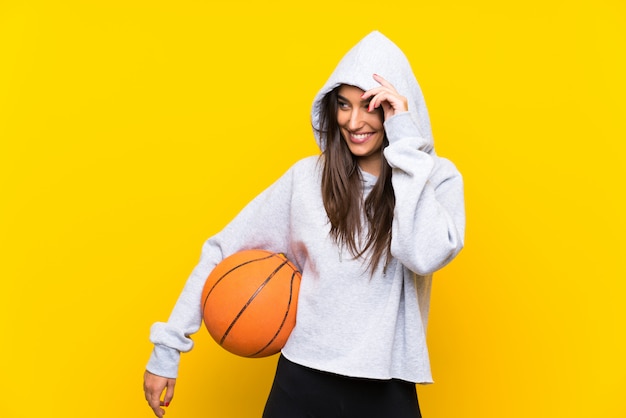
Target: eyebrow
{"points": [[340, 97]]}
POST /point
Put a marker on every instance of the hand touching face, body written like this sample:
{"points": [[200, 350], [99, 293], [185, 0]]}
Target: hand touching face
{"points": [[386, 97]]}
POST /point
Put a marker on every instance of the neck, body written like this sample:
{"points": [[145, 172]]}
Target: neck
{"points": [[370, 165]]}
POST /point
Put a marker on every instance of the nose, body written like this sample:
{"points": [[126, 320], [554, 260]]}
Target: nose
{"points": [[356, 119]]}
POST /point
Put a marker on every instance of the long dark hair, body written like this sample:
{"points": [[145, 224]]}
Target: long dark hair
{"points": [[342, 193]]}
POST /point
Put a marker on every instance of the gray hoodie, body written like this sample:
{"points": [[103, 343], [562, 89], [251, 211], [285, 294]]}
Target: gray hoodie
{"points": [[348, 322]]}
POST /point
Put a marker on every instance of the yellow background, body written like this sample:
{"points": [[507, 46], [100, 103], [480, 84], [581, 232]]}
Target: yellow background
{"points": [[131, 130]]}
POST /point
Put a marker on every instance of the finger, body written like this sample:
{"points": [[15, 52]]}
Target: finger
{"points": [[384, 97], [380, 94], [375, 102], [155, 405], [153, 386], [373, 92], [169, 393], [383, 82], [390, 103], [154, 401]]}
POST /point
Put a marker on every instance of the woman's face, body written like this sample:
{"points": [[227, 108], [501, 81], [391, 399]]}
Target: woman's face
{"points": [[363, 131]]}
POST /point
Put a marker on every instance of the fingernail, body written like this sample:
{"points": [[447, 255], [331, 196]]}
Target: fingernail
{"points": [[167, 404]]}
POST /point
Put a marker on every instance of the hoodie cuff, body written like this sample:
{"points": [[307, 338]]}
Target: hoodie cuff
{"points": [[401, 126], [164, 361]]}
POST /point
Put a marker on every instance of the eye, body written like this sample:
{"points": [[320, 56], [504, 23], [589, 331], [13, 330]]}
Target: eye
{"points": [[342, 105]]}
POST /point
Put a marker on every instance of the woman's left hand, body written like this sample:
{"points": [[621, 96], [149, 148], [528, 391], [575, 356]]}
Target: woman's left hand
{"points": [[387, 97]]}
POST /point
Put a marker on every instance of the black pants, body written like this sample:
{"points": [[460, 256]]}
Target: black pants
{"points": [[301, 392]]}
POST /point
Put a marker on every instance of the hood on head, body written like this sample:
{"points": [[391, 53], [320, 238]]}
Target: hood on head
{"points": [[376, 54]]}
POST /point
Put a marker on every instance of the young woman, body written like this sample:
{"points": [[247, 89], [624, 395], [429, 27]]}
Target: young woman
{"points": [[367, 222]]}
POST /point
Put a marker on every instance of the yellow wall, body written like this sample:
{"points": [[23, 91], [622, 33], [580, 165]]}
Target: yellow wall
{"points": [[131, 130]]}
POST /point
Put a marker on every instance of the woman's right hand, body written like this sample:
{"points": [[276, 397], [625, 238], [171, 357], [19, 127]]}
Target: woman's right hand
{"points": [[153, 387]]}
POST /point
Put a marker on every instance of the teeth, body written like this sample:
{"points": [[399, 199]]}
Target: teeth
{"points": [[360, 136]]}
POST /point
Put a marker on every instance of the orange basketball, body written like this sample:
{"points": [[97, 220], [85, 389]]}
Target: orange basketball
{"points": [[249, 302]]}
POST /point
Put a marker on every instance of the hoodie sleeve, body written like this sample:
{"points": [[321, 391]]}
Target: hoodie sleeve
{"points": [[263, 223], [429, 217]]}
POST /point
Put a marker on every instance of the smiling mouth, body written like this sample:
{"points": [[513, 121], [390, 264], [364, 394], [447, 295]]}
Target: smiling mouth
{"points": [[359, 138]]}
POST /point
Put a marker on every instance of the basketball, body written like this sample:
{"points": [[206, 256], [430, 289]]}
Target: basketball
{"points": [[249, 302]]}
